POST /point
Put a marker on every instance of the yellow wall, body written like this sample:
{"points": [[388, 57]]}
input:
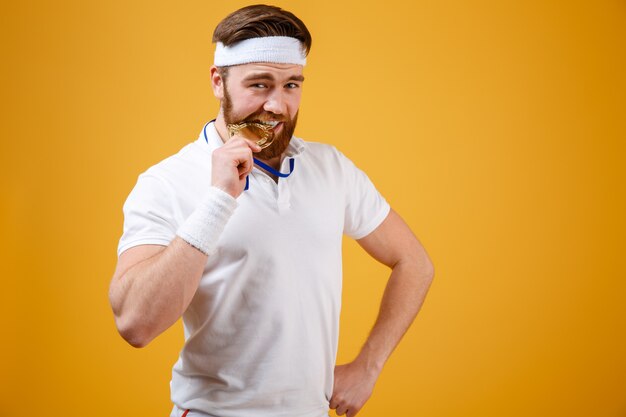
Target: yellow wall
{"points": [[495, 128]]}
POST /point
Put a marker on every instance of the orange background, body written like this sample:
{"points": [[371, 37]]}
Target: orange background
{"points": [[496, 129]]}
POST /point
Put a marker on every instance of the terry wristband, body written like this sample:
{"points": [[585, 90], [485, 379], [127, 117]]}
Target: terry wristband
{"points": [[204, 226]]}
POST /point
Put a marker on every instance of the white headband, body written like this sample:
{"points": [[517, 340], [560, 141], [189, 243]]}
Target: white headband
{"points": [[278, 49]]}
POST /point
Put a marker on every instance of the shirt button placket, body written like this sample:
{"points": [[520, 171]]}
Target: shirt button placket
{"points": [[284, 195]]}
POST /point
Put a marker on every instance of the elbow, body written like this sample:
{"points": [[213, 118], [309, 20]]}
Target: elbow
{"points": [[425, 268], [420, 265], [429, 271], [132, 331]]}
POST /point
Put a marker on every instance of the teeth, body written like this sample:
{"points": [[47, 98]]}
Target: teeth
{"points": [[272, 123]]}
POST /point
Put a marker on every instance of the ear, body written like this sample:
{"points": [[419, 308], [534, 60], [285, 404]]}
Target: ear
{"points": [[217, 83]]}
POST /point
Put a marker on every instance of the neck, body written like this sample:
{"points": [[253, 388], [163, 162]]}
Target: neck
{"points": [[220, 126]]}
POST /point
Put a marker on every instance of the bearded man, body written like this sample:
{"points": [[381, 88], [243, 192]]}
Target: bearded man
{"points": [[240, 233]]}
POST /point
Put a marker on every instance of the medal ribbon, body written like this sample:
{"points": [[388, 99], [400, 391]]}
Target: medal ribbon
{"points": [[272, 170], [259, 163]]}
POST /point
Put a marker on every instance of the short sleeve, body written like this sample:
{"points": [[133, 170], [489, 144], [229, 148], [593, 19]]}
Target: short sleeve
{"points": [[148, 215], [365, 207]]}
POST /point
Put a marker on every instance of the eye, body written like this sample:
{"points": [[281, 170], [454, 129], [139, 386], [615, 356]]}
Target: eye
{"points": [[292, 85], [258, 85]]}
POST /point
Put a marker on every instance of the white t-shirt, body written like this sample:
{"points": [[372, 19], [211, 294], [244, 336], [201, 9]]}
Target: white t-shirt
{"points": [[261, 331]]}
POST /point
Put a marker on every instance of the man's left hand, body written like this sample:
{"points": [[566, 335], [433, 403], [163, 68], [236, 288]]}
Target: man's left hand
{"points": [[353, 386]]}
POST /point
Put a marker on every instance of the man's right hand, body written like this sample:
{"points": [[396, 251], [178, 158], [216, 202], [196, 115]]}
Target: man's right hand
{"points": [[231, 163]]}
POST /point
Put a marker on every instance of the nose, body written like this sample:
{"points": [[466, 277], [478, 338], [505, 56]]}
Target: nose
{"points": [[276, 102]]}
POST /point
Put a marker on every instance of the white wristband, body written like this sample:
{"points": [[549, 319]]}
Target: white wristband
{"points": [[204, 226]]}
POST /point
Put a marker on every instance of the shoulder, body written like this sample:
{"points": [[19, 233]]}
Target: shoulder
{"points": [[323, 153], [188, 162], [330, 157], [175, 180]]}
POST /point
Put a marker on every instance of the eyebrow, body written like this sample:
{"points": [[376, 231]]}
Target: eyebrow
{"points": [[270, 77]]}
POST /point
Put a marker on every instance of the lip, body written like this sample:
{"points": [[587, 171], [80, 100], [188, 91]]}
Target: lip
{"points": [[269, 122]]}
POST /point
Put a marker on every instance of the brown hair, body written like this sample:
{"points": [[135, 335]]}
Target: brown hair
{"points": [[258, 21]]}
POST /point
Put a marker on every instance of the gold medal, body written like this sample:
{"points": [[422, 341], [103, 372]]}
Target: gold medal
{"points": [[261, 133]]}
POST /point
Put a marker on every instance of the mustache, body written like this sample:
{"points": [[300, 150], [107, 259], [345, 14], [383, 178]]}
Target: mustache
{"points": [[266, 117]]}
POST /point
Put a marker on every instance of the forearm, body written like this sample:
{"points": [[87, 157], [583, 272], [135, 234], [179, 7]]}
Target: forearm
{"points": [[403, 298], [151, 295]]}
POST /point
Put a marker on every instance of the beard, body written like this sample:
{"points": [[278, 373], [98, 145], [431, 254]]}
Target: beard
{"points": [[281, 139]]}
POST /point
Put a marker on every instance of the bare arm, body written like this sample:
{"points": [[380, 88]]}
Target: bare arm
{"points": [[394, 245], [412, 272], [152, 287], [153, 284]]}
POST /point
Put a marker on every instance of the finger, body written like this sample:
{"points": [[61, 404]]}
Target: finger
{"points": [[238, 140], [352, 412], [249, 166], [245, 165], [240, 158], [253, 146], [341, 410]]}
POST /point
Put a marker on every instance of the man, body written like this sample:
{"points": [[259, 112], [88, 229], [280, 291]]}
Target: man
{"points": [[244, 242]]}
